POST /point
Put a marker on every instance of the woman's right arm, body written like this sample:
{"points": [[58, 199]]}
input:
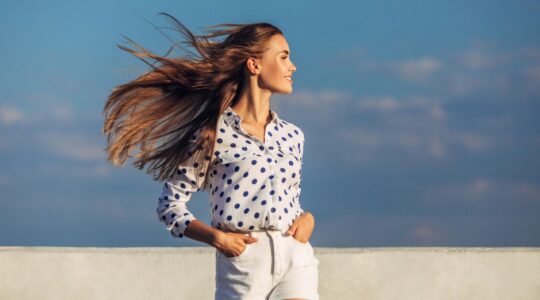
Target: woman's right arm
{"points": [[172, 207]]}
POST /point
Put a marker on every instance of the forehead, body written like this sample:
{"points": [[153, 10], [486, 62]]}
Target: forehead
{"points": [[276, 44]]}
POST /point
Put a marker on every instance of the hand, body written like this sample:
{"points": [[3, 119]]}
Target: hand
{"points": [[233, 244], [302, 227]]}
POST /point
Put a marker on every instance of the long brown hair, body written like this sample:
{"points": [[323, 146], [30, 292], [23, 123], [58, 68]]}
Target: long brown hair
{"points": [[179, 101]]}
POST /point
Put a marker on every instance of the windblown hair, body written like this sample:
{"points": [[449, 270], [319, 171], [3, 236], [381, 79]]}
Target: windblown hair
{"points": [[170, 112]]}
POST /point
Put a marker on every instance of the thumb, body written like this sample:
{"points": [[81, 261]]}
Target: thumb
{"points": [[292, 229], [250, 239]]}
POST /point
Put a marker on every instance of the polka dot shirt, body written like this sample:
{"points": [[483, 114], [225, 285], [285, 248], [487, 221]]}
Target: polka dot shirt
{"points": [[252, 184]]}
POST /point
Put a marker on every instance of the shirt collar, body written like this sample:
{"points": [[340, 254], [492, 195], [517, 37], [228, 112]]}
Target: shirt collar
{"points": [[231, 116]]}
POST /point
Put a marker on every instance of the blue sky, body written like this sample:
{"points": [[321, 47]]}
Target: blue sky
{"points": [[421, 129]]}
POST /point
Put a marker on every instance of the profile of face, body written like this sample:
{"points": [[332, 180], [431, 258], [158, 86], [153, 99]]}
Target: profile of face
{"points": [[276, 67]]}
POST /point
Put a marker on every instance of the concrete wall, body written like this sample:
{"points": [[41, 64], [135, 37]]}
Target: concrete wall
{"points": [[344, 273]]}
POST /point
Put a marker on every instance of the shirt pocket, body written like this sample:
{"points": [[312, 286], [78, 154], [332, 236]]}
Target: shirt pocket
{"points": [[233, 155], [289, 165]]}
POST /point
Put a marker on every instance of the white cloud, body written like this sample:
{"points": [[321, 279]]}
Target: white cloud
{"points": [[37, 109], [483, 193], [322, 106], [430, 107], [72, 146], [382, 103], [436, 147], [410, 137], [420, 69], [532, 75], [424, 233], [62, 113], [98, 169], [479, 57], [9, 115], [313, 99]]}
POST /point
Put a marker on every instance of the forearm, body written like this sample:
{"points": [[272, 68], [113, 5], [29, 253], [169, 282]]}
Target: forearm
{"points": [[201, 232]]}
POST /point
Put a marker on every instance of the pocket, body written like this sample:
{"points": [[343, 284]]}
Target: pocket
{"points": [[289, 151], [246, 249], [292, 163], [298, 242], [236, 155]]}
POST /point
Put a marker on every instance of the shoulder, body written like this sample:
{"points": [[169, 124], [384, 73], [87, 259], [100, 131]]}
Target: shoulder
{"points": [[296, 130], [293, 131]]}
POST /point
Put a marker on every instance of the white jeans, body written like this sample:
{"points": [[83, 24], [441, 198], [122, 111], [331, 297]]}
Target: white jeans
{"points": [[276, 266]]}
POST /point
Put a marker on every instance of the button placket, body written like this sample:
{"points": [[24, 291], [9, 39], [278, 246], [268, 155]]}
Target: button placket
{"points": [[274, 181]]}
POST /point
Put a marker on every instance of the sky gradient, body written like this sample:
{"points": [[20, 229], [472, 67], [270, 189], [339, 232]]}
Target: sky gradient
{"points": [[421, 120]]}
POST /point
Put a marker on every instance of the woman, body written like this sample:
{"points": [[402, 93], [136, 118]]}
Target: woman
{"points": [[223, 138]]}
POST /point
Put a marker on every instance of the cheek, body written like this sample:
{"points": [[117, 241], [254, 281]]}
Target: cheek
{"points": [[274, 74]]}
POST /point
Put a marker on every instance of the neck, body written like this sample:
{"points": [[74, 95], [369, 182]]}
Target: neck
{"points": [[253, 108]]}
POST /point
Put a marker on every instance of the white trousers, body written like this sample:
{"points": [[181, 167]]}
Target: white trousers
{"points": [[276, 266]]}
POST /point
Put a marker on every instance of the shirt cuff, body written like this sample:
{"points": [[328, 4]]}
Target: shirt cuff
{"points": [[180, 225]]}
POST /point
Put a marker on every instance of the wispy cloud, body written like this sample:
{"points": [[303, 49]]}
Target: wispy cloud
{"points": [[85, 169], [322, 106], [72, 146], [415, 104], [481, 192], [418, 69], [532, 75], [37, 109], [10, 115]]}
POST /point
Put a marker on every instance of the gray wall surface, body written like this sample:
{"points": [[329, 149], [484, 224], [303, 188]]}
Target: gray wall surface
{"points": [[344, 273]]}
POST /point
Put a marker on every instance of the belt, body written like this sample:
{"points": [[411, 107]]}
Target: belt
{"points": [[248, 231]]}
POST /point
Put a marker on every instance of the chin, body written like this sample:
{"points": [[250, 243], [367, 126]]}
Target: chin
{"points": [[284, 91], [288, 90]]}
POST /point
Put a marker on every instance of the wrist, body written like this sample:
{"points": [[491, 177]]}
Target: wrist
{"points": [[217, 238]]}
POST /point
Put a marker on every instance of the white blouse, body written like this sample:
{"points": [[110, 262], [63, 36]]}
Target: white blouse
{"points": [[252, 184]]}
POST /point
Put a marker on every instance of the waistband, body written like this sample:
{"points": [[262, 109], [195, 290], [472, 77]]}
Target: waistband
{"points": [[254, 230]]}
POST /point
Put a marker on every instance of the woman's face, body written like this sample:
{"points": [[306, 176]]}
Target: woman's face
{"points": [[277, 67]]}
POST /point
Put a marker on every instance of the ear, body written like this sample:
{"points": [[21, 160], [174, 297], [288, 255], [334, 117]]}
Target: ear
{"points": [[253, 65]]}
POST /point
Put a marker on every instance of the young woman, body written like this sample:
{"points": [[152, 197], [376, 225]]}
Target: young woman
{"points": [[224, 138]]}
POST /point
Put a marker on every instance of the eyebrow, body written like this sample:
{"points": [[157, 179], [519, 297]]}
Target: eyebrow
{"points": [[286, 51]]}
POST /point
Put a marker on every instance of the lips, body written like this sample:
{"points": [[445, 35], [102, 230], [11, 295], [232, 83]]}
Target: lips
{"points": [[289, 78]]}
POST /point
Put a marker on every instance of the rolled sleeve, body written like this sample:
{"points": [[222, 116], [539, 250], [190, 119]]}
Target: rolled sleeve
{"points": [[172, 207]]}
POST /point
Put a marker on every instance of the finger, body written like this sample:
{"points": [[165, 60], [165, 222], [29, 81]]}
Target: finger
{"points": [[292, 229], [249, 239]]}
